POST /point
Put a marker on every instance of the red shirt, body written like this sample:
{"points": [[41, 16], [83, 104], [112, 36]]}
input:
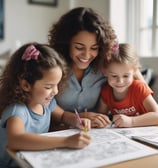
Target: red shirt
{"points": [[132, 105]]}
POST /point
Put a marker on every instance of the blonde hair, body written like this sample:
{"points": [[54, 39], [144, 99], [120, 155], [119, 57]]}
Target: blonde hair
{"points": [[124, 54]]}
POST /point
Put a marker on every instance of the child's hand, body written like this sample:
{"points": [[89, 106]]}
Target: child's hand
{"points": [[86, 124], [122, 121], [79, 140]]}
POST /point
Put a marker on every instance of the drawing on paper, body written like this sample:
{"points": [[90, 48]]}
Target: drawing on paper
{"points": [[107, 147]]}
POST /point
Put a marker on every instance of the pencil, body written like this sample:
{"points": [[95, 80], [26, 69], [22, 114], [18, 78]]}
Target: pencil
{"points": [[80, 121]]}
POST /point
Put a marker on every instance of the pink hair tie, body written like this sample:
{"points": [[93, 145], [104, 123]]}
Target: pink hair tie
{"points": [[30, 53], [115, 48]]}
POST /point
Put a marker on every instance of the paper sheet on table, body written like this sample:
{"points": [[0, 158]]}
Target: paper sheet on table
{"points": [[147, 135], [107, 147], [136, 131]]}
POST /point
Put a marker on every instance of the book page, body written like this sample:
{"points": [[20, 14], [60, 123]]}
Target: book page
{"points": [[107, 147]]}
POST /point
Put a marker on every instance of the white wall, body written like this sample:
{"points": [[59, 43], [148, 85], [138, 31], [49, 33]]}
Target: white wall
{"points": [[102, 6], [26, 22], [118, 18]]}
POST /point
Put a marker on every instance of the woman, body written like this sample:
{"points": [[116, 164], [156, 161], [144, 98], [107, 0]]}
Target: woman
{"points": [[84, 39]]}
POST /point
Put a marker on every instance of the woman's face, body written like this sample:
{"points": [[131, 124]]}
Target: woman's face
{"points": [[83, 49]]}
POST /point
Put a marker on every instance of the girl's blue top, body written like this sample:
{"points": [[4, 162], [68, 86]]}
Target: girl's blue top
{"points": [[33, 123]]}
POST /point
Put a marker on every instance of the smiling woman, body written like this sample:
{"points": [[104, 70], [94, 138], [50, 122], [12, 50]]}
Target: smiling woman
{"points": [[44, 2], [85, 40]]}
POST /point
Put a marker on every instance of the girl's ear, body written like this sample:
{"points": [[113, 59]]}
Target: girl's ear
{"points": [[25, 85]]}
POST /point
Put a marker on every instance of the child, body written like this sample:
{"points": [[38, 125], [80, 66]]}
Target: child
{"points": [[130, 101], [27, 89]]}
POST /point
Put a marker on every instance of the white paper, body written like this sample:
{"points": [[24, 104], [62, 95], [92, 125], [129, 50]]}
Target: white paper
{"points": [[137, 131], [143, 134], [107, 147]]}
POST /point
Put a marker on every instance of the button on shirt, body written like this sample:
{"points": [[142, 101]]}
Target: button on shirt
{"points": [[82, 95]]}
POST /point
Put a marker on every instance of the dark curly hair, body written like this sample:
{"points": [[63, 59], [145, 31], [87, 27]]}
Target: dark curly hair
{"points": [[32, 70], [81, 19]]}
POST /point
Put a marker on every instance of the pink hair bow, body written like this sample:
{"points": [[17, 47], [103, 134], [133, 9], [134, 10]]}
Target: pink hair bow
{"points": [[30, 53], [115, 47]]}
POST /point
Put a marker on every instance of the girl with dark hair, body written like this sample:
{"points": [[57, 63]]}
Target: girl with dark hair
{"points": [[27, 89]]}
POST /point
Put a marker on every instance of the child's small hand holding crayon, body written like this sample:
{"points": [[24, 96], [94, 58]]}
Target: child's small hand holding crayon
{"points": [[83, 123], [86, 124], [79, 140]]}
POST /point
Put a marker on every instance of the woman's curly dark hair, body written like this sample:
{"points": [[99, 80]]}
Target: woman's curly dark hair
{"points": [[82, 19], [32, 70]]}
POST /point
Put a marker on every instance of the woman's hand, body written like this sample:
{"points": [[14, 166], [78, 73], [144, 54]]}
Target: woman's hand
{"points": [[79, 140], [98, 120]]}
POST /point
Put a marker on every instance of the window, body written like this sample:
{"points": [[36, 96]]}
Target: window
{"points": [[142, 16]]}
